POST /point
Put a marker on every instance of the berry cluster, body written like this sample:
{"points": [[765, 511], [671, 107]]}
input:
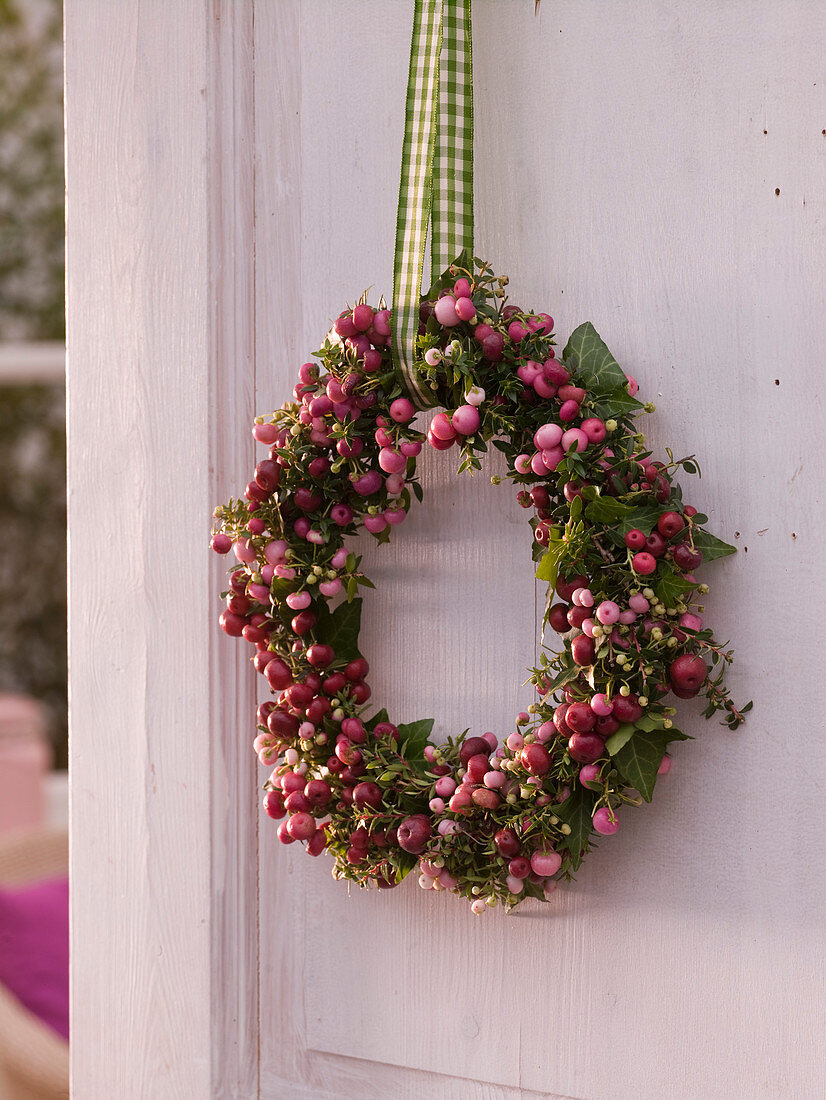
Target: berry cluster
{"points": [[493, 819]]}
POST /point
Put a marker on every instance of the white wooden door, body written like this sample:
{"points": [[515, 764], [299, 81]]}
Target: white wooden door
{"points": [[654, 167]]}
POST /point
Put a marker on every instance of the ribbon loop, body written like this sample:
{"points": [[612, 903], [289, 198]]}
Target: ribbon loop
{"points": [[436, 183]]}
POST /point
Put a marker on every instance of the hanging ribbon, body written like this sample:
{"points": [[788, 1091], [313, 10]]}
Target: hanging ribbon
{"points": [[437, 167]]}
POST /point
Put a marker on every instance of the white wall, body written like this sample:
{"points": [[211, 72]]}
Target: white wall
{"points": [[623, 176]]}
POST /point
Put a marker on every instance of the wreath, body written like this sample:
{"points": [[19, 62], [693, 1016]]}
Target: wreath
{"points": [[492, 818]]}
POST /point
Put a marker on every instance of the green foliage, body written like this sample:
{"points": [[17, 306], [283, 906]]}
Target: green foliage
{"points": [[640, 757], [577, 811], [711, 547], [593, 363], [33, 561], [414, 736], [31, 171], [340, 628]]}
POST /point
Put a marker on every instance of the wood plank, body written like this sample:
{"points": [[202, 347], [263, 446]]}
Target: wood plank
{"points": [[623, 177], [160, 352]]}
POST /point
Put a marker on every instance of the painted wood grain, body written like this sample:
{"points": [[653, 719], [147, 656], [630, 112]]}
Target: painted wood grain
{"points": [[160, 351], [232, 174], [623, 175]]}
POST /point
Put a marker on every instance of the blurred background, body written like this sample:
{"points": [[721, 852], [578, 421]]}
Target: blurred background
{"points": [[33, 711]]}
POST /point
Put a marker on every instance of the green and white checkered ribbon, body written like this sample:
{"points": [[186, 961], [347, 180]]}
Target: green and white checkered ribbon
{"points": [[437, 167]]}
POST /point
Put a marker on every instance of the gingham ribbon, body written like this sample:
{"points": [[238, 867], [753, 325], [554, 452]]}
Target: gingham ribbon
{"points": [[437, 167]]}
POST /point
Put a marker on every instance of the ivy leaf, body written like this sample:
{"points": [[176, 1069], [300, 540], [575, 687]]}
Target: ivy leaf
{"points": [[564, 677], [619, 739], [577, 811], [606, 510], [711, 547], [446, 280], [643, 518], [340, 629], [379, 716], [616, 406], [593, 362], [549, 565], [638, 760], [414, 736], [671, 587]]}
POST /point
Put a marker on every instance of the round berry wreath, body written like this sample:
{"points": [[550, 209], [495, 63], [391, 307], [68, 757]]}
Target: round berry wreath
{"points": [[490, 821]]}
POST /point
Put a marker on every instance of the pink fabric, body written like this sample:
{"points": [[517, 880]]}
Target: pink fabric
{"points": [[34, 949]]}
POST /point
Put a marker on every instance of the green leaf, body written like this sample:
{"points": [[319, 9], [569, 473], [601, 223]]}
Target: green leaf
{"points": [[446, 280], [671, 587], [619, 739], [606, 510], [593, 362], [577, 811], [639, 759], [616, 406], [643, 518], [340, 629], [711, 547], [414, 736], [564, 677], [549, 565], [379, 716]]}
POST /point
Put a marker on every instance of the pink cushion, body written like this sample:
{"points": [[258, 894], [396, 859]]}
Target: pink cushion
{"points": [[34, 949]]}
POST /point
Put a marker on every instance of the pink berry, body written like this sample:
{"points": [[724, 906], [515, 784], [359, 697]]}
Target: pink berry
{"points": [[465, 309], [265, 433], [601, 705], [543, 387], [589, 773], [569, 411], [375, 524], [494, 780], [608, 612], [368, 483], [493, 347], [522, 464], [362, 318], [552, 458], [221, 543], [665, 765], [402, 410], [442, 428], [638, 603], [693, 622], [244, 550], [339, 559], [445, 311], [574, 437], [644, 563], [466, 420], [545, 862], [547, 436], [461, 288], [341, 514], [517, 331], [633, 385], [594, 428], [546, 731], [605, 821], [299, 600], [391, 461]]}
